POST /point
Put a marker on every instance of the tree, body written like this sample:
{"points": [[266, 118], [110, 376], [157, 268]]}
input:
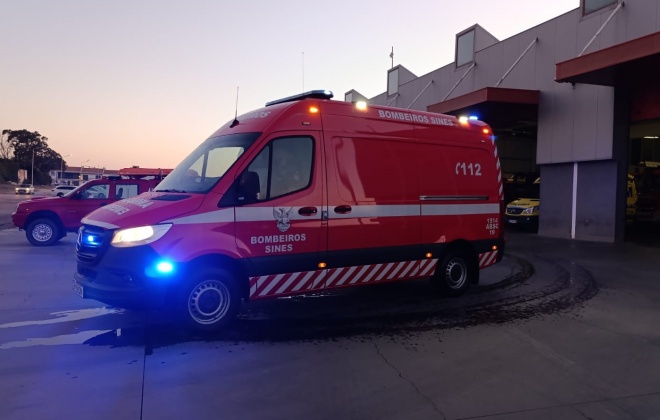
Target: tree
{"points": [[5, 146], [24, 143]]}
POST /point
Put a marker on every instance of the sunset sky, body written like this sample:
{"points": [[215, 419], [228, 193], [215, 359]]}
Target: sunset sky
{"points": [[142, 82]]}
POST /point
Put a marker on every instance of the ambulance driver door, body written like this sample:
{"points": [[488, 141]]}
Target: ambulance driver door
{"points": [[279, 228]]}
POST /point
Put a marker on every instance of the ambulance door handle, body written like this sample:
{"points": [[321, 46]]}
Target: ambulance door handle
{"points": [[343, 209], [307, 211]]}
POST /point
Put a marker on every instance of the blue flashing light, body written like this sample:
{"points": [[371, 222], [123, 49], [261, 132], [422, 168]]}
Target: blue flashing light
{"points": [[160, 269], [92, 240], [165, 267], [473, 117]]}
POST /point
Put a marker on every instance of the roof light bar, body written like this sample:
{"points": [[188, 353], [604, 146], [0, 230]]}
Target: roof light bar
{"points": [[315, 94], [361, 105]]}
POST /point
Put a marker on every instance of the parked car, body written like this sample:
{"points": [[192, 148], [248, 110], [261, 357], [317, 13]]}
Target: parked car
{"points": [[524, 212], [62, 190], [25, 189]]}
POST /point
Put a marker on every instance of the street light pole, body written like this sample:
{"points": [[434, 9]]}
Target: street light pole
{"points": [[32, 176], [62, 167]]}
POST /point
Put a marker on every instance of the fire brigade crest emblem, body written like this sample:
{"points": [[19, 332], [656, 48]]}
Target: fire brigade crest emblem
{"points": [[282, 217]]}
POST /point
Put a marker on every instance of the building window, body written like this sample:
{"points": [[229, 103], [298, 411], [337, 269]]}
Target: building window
{"points": [[393, 82], [590, 6], [464, 48]]}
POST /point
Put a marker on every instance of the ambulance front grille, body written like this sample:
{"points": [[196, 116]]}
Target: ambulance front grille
{"points": [[91, 243]]}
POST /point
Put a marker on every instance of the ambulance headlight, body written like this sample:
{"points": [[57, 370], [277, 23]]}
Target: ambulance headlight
{"points": [[530, 210], [142, 235]]}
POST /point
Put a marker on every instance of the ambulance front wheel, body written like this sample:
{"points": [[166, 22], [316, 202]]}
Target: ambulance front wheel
{"points": [[210, 300], [455, 273]]}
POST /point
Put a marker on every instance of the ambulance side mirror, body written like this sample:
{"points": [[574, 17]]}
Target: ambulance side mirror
{"points": [[248, 188]]}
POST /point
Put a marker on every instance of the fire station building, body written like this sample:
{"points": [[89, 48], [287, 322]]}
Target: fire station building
{"points": [[575, 99]]}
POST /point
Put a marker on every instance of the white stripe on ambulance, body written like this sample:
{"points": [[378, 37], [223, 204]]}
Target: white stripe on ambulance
{"points": [[262, 214]]}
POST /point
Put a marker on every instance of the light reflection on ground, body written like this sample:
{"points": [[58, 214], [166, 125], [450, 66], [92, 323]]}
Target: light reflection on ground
{"points": [[66, 316], [77, 338]]}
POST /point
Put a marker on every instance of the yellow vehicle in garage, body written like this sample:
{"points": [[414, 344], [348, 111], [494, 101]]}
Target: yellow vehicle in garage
{"points": [[524, 212]]}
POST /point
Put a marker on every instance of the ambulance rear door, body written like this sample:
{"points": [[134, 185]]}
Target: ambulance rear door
{"points": [[280, 232]]}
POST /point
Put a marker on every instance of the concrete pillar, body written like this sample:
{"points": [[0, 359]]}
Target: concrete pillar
{"points": [[556, 200]]}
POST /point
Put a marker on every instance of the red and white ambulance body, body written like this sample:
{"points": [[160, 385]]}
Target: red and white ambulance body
{"points": [[303, 195]]}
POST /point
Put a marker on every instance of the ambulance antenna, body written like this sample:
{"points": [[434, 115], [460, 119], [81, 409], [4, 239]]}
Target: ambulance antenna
{"points": [[235, 122], [303, 71]]}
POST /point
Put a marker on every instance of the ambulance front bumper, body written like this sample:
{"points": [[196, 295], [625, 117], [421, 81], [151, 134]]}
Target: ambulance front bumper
{"points": [[107, 288], [123, 277]]}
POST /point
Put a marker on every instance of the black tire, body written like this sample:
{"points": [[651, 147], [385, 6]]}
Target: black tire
{"points": [[455, 273], [43, 232], [209, 301]]}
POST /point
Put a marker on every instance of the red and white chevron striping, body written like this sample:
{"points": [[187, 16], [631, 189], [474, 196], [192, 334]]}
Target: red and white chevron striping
{"points": [[289, 283]]}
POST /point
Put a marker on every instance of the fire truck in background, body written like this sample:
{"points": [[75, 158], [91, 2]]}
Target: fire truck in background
{"points": [[304, 195]]}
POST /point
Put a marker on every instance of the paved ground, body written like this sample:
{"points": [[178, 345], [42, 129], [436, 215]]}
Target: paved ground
{"points": [[575, 337]]}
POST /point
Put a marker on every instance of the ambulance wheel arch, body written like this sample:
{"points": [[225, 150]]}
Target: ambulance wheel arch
{"points": [[457, 270]]}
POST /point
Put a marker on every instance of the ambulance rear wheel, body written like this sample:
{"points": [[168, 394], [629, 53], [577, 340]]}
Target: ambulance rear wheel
{"points": [[455, 273], [210, 300]]}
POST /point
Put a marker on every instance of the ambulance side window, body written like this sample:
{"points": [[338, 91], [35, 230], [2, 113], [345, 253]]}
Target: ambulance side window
{"points": [[284, 166]]}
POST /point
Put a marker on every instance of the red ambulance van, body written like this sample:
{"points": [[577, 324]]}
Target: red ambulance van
{"points": [[303, 195]]}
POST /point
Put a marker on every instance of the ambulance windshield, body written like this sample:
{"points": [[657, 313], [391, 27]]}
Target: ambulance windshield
{"points": [[206, 165]]}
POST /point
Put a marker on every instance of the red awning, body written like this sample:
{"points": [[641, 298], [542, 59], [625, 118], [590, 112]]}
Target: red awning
{"points": [[630, 64], [499, 107]]}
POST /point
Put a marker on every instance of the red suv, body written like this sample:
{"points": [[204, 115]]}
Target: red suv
{"points": [[46, 220]]}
